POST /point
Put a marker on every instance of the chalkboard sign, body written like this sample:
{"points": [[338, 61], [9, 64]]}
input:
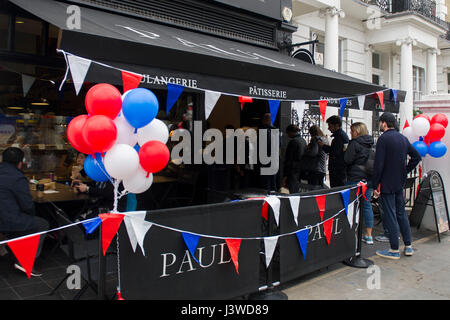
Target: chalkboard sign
{"points": [[432, 188]]}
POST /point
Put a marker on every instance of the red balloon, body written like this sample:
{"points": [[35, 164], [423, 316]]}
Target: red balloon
{"points": [[103, 99], [440, 118], [75, 134], [154, 156], [100, 132], [436, 132], [423, 115]]}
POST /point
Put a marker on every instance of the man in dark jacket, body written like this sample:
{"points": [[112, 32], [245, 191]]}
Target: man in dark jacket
{"points": [[17, 214], [336, 163], [390, 170], [292, 160]]}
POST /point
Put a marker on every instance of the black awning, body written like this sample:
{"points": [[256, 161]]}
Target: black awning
{"points": [[213, 63]]}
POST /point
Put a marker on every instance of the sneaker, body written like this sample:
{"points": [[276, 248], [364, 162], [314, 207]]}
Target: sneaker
{"points": [[382, 238], [34, 272], [408, 251], [367, 239], [389, 254]]}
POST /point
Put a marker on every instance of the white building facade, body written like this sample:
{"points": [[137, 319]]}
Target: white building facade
{"points": [[400, 44]]}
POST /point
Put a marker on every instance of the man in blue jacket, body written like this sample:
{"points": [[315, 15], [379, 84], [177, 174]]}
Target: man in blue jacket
{"points": [[391, 167], [17, 214]]}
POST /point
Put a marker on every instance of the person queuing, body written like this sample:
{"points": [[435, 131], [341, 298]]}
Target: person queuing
{"points": [[390, 170], [336, 163], [315, 160], [293, 159], [267, 182], [356, 158], [17, 212]]}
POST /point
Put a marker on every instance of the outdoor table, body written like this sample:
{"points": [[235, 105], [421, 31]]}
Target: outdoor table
{"points": [[63, 193]]}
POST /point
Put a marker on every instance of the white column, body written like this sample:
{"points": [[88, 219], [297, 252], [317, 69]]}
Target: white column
{"points": [[431, 72], [406, 79], [331, 54], [369, 50]]}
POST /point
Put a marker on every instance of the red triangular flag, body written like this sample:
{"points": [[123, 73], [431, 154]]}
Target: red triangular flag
{"points": [[110, 225], [265, 210], [406, 125], [327, 227], [380, 95], [323, 108], [320, 200], [25, 251], [130, 80], [364, 189], [234, 246]]}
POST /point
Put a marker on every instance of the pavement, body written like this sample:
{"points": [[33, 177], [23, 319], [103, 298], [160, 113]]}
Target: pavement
{"points": [[424, 276]]}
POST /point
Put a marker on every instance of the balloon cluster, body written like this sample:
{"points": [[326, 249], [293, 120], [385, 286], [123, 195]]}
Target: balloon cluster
{"points": [[121, 136], [425, 134]]}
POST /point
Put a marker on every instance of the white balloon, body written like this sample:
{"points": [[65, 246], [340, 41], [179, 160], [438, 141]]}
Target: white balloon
{"points": [[125, 132], [121, 161], [421, 126], [138, 182], [408, 132], [155, 130]]}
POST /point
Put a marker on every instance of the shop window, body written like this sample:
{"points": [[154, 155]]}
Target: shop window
{"points": [[376, 61], [28, 36], [375, 79], [4, 30]]}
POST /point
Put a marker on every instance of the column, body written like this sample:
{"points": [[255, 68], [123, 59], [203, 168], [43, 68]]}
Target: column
{"points": [[368, 50], [431, 72], [331, 54], [406, 79]]}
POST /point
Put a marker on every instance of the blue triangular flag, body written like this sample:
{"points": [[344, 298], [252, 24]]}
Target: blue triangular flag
{"points": [[191, 241], [173, 93], [92, 225], [394, 95], [302, 237], [345, 198], [343, 104], [274, 105]]}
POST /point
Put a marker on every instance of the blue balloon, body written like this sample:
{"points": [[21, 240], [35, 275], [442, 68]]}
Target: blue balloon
{"points": [[437, 149], [421, 147], [95, 169], [140, 106], [137, 147]]}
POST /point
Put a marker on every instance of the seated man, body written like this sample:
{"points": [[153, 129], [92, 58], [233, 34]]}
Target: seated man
{"points": [[17, 214]]}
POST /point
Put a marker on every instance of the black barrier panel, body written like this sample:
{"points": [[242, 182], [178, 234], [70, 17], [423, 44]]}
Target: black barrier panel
{"points": [[319, 253], [168, 271]]}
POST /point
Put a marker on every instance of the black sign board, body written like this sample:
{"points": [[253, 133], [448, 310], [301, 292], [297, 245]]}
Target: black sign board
{"points": [[432, 190]]}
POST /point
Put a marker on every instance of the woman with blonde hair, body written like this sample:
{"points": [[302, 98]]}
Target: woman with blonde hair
{"points": [[356, 158]]}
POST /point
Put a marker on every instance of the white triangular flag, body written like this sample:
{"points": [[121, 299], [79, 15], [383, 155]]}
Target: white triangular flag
{"points": [[361, 101], [299, 106], [78, 69], [211, 98], [27, 82], [295, 203], [274, 203], [140, 230], [129, 217], [269, 244], [351, 211]]}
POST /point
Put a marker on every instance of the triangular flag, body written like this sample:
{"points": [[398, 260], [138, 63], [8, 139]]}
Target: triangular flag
{"points": [[269, 244], [211, 98], [343, 104], [274, 105], [299, 106], [191, 241], [137, 228], [350, 213], [27, 83], [234, 246], [274, 203], [361, 101], [406, 125], [92, 225], [265, 211], [327, 227], [295, 204], [130, 80], [380, 95], [323, 108], [320, 200], [173, 93], [302, 237], [25, 251], [110, 225], [79, 67], [363, 188], [345, 199], [394, 95]]}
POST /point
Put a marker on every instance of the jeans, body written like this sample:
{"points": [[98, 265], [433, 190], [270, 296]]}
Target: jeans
{"points": [[395, 218], [367, 205]]}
